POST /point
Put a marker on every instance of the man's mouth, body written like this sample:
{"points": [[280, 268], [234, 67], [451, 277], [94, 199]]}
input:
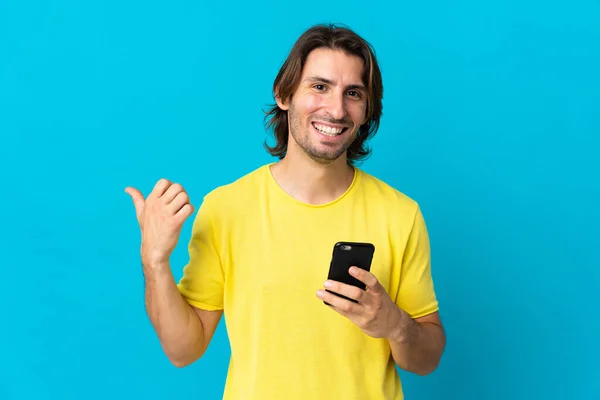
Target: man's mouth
{"points": [[329, 130]]}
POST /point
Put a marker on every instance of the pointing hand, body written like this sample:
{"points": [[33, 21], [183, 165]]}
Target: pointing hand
{"points": [[160, 217]]}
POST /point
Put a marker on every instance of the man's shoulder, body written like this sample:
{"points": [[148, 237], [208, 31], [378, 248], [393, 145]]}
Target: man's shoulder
{"points": [[387, 195], [239, 190]]}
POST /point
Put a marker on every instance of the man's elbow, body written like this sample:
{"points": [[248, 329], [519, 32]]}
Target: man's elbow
{"points": [[186, 358], [180, 363], [427, 369], [183, 362], [421, 370]]}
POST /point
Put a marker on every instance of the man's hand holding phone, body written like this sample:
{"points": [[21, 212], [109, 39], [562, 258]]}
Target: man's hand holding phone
{"points": [[374, 312]]}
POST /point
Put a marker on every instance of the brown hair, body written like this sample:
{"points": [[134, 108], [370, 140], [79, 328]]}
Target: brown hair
{"points": [[333, 37]]}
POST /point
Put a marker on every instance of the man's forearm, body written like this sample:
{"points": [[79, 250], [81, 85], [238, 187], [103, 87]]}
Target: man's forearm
{"points": [[178, 327], [417, 347]]}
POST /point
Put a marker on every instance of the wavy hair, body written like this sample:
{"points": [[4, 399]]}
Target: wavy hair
{"points": [[336, 38]]}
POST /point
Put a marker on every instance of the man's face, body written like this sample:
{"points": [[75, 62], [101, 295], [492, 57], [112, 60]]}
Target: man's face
{"points": [[328, 107]]}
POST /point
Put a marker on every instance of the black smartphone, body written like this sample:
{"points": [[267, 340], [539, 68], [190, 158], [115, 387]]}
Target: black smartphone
{"points": [[346, 255]]}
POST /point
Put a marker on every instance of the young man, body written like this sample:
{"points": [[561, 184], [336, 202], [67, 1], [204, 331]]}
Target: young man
{"points": [[261, 246]]}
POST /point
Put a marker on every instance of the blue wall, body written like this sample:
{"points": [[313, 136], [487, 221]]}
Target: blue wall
{"points": [[492, 118]]}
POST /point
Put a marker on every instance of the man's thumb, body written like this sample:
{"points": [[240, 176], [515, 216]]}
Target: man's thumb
{"points": [[138, 199]]}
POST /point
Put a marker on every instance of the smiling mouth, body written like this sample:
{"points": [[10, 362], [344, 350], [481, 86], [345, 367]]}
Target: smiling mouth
{"points": [[328, 130]]}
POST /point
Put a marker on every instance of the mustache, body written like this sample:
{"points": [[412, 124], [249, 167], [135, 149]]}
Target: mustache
{"points": [[334, 121]]}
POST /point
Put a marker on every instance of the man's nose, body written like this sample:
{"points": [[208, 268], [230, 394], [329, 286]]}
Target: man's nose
{"points": [[336, 106]]}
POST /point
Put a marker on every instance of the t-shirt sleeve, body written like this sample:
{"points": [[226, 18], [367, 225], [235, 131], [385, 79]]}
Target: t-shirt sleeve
{"points": [[416, 293], [202, 282]]}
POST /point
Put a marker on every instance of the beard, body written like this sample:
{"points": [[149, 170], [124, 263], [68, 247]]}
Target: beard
{"points": [[319, 152]]}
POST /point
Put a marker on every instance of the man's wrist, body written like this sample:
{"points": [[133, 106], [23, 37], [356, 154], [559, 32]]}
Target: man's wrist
{"points": [[156, 266], [404, 328]]}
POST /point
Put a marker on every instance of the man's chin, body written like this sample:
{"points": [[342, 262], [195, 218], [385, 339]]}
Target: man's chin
{"points": [[326, 158], [322, 153]]}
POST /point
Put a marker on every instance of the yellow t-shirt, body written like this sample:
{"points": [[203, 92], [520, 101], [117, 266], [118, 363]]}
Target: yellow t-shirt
{"points": [[260, 255]]}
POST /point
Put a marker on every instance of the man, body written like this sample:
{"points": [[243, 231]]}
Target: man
{"points": [[261, 246]]}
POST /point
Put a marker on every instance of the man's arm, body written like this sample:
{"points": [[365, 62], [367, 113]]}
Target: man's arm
{"points": [[183, 331], [418, 344]]}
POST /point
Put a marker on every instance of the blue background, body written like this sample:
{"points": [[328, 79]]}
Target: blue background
{"points": [[491, 122]]}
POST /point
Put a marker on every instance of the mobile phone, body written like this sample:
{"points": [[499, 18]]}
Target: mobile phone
{"points": [[346, 255]]}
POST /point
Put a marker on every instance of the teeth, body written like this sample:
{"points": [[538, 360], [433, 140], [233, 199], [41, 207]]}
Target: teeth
{"points": [[327, 130]]}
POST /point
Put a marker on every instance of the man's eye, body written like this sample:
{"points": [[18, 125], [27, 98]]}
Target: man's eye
{"points": [[319, 87]]}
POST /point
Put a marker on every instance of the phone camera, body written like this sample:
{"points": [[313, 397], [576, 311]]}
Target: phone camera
{"points": [[346, 247]]}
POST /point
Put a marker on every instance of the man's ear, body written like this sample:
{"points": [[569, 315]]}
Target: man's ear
{"points": [[281, 103]]}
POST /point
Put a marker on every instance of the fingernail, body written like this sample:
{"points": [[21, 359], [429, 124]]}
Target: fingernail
{"points": [[353, 270], [327, 284]]}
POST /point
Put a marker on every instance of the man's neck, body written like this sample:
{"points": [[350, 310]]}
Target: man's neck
{"points": [[311, 182]]}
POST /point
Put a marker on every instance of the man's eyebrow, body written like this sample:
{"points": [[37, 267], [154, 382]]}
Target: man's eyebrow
{"points": [[330, 82]]}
